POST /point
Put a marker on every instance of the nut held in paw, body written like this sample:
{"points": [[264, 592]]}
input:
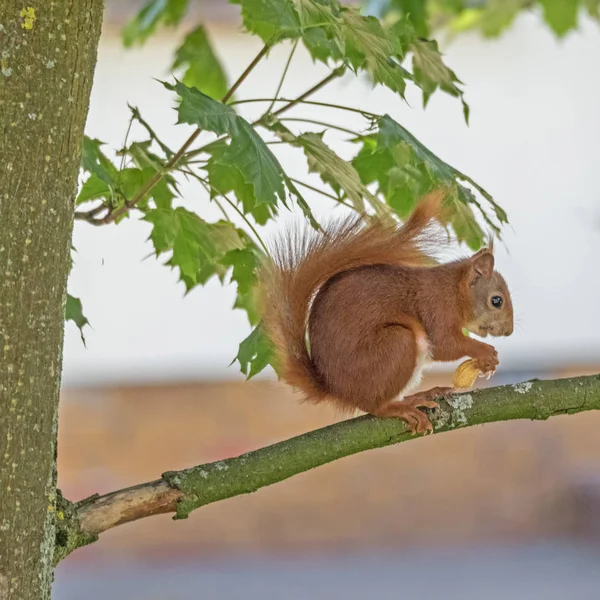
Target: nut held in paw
{"points": [[465, 375]]}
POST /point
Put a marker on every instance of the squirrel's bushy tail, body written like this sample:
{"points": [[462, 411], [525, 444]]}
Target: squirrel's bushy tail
{"points": [[302, 261]]}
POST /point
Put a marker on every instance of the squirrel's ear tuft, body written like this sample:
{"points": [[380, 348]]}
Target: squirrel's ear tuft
{"points": [[483, 263], [490, 243]]}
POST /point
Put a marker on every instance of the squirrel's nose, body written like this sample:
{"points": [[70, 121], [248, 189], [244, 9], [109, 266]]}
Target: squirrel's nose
{"points": [[508, 329]]}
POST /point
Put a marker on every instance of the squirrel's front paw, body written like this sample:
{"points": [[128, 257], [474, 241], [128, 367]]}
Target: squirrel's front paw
{"points": [[487, 360]]}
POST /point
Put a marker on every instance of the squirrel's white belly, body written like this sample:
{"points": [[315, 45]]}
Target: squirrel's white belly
{"points": [[423, 360]]}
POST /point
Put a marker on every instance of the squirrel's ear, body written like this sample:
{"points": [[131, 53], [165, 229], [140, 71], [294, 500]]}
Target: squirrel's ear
{"points": [[483, 263]]}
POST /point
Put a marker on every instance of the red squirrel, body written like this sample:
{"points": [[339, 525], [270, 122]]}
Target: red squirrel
{"points": [[356, 312]]}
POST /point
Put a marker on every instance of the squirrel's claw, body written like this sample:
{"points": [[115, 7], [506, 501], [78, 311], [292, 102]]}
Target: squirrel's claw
{"points": [[487, 375]]}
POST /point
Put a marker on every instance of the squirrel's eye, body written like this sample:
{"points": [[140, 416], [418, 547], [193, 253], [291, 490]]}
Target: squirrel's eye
{"points": [[497, 301]]}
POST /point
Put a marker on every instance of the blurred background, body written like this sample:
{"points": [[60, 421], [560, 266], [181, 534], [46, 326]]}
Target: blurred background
{"points": [[505, 510]]}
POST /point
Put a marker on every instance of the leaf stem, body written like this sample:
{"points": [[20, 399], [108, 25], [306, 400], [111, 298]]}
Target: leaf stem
{"points": [[283, 75], [301, 100], [247, 221], [138, 117], [206, 182], [291, 103], [207, 188], [318, 191], [125, 142], [245, 74], [324, 124]]}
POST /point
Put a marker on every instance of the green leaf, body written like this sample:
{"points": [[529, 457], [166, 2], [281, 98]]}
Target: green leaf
{"points": [[93, 189], [320, 28], [226, 177], [561, 15], [593, 8], [391, 134], [321, 47], [330, 31], [104, 176], [94, 161], [196, 246], [199, 109], [464, 224], [203, 69], [370, 48], [339, 33], [74, 312], [303, 204], [154, 13], [430, 72], [149, 163], [335, 171], [247, 151], [143, 157], [162, 194], [495, 16], [339, 174], [117, 187], [414, 11], [245, 262], [255, 353], [492, 19], [132, 180], [405, 170], [269, 19]]}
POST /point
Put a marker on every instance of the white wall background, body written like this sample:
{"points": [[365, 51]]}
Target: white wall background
{"points": [[533, 142]]}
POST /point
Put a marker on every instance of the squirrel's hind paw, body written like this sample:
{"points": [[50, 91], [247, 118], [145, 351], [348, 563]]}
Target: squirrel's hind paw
{"points": [[408, 410]]}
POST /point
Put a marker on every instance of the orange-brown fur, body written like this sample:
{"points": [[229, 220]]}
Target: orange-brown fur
{"points": [[379, 305]]}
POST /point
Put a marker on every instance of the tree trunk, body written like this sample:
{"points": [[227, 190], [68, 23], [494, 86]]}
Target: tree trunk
{"points": [[47, 60]]}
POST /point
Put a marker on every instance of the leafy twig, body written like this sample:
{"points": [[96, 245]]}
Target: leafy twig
{"points": [[149, 185], [290, 103]]}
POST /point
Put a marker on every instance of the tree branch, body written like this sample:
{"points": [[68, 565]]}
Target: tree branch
{"points": [[130, 504], [90, 214], [184, 491]]}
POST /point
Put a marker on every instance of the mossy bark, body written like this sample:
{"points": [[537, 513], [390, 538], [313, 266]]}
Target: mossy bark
{"points": [[208, 483], [47, 59], [184, 491]]}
